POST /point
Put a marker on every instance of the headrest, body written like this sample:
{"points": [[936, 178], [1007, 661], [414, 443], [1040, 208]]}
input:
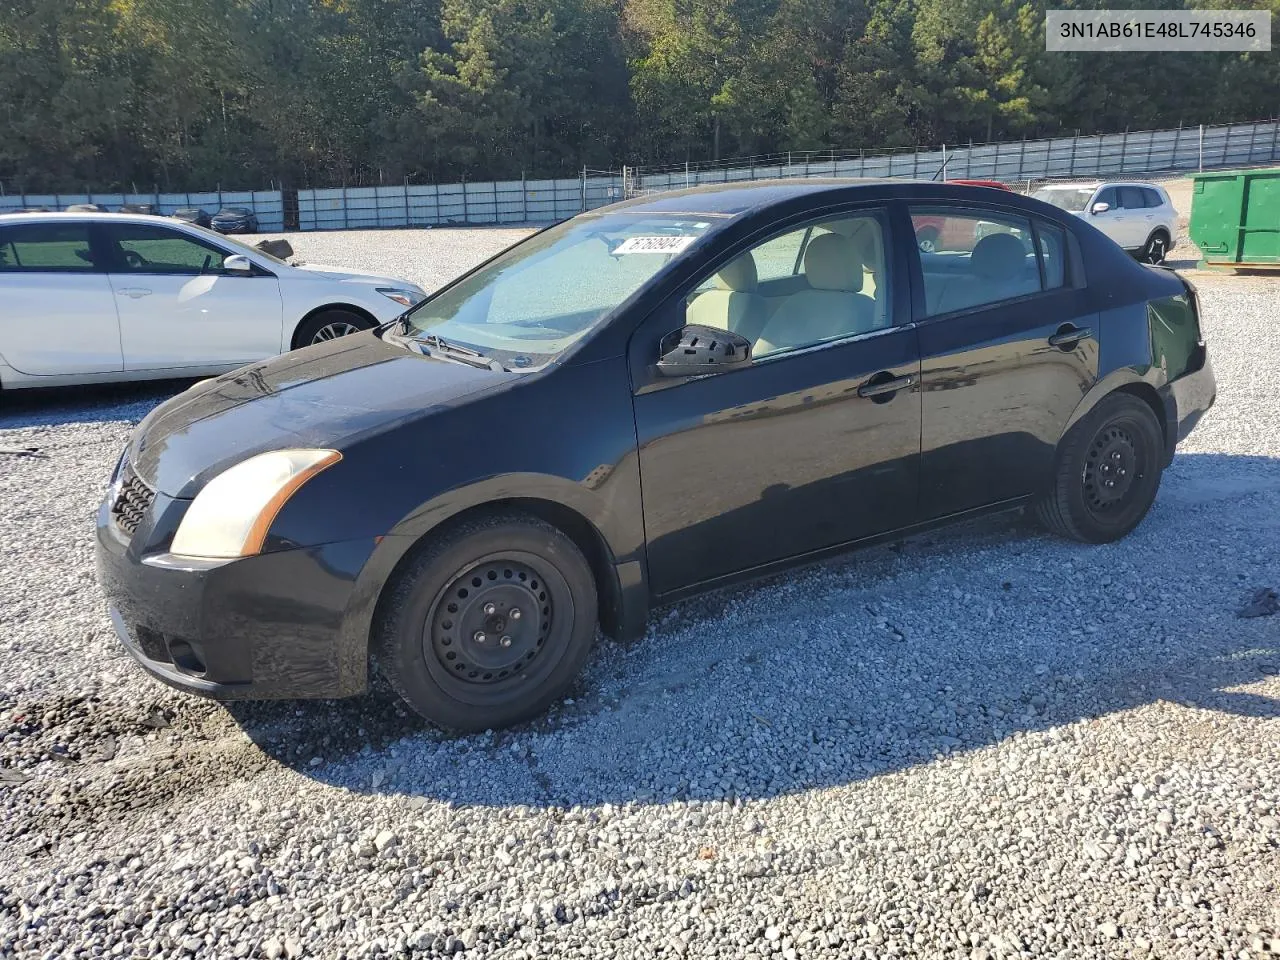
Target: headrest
{"points": [[998, 256], [831, 263], [738, 274]]}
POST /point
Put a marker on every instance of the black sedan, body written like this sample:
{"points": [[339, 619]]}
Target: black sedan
{"points": [[234, 220], [194, 215], [641, 403]]}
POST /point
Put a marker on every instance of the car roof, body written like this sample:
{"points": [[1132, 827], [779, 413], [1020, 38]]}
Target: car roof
{"points": [[739, 197], [58, 216]]}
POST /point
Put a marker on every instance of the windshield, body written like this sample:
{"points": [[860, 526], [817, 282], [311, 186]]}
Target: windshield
{"points": [[541, 296], [1065, 198]]}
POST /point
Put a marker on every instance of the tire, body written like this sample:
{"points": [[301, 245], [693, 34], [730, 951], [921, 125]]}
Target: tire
{"points": [[336, 323], [1154, 250], [927, 239], [454, 650], [1118, 443]]}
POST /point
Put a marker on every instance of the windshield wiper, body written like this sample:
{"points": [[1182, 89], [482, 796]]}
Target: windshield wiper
{"points": [[456, 351]]}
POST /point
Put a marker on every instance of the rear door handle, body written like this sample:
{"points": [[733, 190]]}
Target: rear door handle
{"points": [[878, 387], [1068, 336], [134, 292]]}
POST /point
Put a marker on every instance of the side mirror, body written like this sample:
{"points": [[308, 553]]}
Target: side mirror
{"points": [[1100, 207], [695, 351], [237, 263]]}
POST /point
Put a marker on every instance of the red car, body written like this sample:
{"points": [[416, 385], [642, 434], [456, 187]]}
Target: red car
{"points": [[942, 233]]}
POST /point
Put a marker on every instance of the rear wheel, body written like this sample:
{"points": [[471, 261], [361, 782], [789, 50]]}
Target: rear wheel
{"points": [[1155, 249], [330, 325], [489, 624], [927, 239], [1109, 467]]}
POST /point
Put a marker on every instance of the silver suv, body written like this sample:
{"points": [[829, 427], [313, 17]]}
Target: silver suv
{"points": [[1138, 216]]}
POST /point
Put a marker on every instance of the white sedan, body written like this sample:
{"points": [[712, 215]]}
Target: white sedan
{"points": [[88, 298]]}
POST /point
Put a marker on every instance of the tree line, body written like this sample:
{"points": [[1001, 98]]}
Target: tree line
{"points": [[189, 94]]}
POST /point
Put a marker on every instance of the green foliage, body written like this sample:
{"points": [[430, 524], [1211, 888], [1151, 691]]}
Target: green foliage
{"points": [[190, 94]]}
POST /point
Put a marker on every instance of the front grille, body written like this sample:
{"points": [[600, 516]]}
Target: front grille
{"points": [[132, 502]]}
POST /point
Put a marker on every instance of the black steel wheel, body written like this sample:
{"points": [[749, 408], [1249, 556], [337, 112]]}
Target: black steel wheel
{"points": [[1109, 468], [489, 624]]}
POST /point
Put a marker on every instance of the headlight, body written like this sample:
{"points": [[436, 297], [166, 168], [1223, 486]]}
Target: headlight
{"points": [[230, 517], [403, 297]]}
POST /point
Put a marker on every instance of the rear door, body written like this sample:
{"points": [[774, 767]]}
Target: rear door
{"points": [[178, 308], [1008, 351], [1138, 219], [57, 314]]}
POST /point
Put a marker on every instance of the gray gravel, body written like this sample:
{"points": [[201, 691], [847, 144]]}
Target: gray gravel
{"points": [[979, 743]]}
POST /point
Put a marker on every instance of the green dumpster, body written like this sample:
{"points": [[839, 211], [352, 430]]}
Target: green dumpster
{"points": [[1235, 217]]}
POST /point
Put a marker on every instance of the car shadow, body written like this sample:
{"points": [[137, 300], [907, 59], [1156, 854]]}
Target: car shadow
{"points": [[896, 656]]}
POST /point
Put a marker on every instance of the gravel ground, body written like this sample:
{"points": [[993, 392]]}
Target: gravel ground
{"points": [[979, 743]]}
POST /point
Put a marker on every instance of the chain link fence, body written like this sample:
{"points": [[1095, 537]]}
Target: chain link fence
{"points": [[1149, 154]]}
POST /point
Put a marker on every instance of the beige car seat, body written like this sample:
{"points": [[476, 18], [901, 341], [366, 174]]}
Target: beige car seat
{"points": [[732, 303], [832, 306]]}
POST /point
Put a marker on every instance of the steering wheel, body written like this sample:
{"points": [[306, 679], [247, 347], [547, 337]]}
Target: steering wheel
{"points": [[134, 259]]}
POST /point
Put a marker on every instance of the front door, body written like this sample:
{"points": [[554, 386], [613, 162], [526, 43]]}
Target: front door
{"points": [[815, 444], [1008, 351], [178, 308], [57, 315]]}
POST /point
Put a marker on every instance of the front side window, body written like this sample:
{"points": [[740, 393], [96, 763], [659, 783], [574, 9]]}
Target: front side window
{"points": [[1131, 198], [986, 258], [143, 248], [835, 287], [543, 295], [46, 247]]}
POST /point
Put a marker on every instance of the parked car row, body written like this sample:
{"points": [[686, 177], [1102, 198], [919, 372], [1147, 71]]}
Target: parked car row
{"points": [[226, 220]]}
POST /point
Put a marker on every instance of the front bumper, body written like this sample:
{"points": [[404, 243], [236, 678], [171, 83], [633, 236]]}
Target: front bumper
{"points": [[270, 626]]}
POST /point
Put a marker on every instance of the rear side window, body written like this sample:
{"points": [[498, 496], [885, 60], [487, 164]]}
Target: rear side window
{"points": [[46, 247], [970, 258], [1152, 197], [1053, 253]]}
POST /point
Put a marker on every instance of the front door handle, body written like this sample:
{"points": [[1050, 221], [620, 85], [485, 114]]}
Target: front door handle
{"points": [[879, 386], [134, 292], [1068, 336]]}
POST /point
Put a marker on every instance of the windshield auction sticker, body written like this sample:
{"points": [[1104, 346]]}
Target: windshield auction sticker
{"points": [[1169, 30], [654, 244]]}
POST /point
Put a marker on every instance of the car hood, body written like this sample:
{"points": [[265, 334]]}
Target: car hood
{"points": [[322, 271], [325, 396]]}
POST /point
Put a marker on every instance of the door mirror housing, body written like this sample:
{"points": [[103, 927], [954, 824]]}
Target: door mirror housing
{"points": [[695, 350], [238, 263], [1100, 207]]}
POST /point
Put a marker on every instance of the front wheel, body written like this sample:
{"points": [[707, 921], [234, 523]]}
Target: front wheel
{"points": [[489, 624], [330, 325], [1109, 467]]}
